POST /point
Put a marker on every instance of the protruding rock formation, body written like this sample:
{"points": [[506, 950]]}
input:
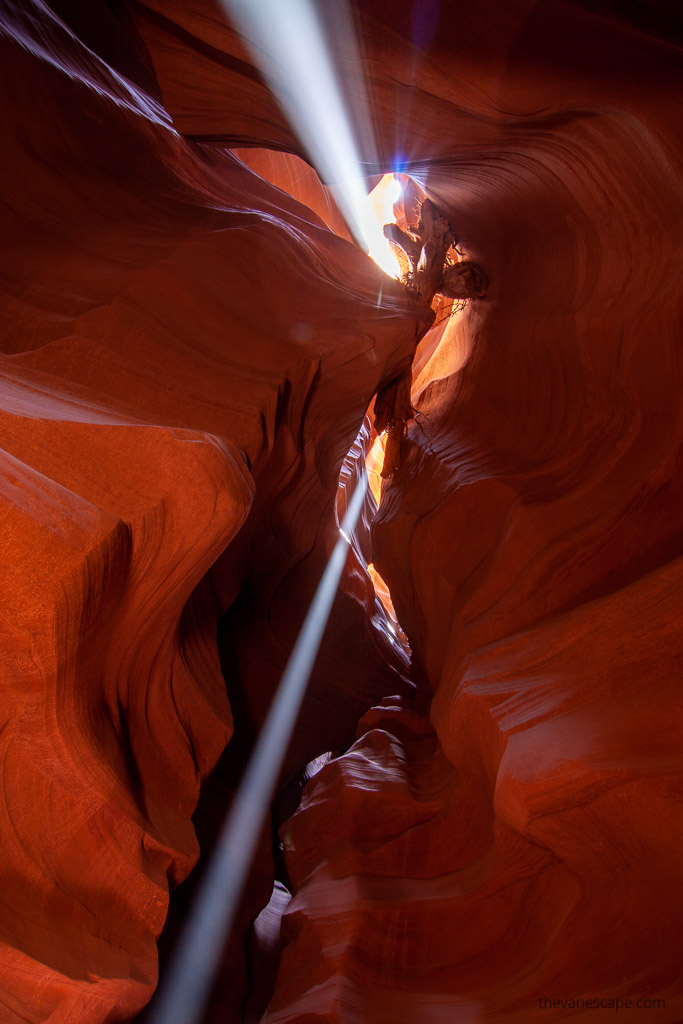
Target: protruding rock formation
{"points": [[188, 356], [180, 385]]}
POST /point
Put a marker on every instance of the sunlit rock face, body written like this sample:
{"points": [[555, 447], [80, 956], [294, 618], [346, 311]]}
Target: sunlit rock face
{"points": [[188, 357], [515, 839]]}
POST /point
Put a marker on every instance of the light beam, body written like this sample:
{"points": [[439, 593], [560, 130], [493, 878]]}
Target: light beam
{"points": [[189, 975], [287, 43]]}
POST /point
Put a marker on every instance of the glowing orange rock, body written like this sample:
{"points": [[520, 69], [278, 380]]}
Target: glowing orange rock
{"points": [[167, 346], [188, 357]]}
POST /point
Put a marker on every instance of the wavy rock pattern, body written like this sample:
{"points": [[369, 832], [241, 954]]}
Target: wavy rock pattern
{"points": [[188, 356], [168, 392], [513, 836]]}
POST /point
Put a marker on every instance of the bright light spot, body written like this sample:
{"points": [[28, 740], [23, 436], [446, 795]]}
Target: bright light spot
{"points": [[373, 466], [382, 592], [377, 211], [317, 764]]}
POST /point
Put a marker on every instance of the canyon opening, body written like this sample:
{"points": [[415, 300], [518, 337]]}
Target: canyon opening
{"points": [[341, 505]]}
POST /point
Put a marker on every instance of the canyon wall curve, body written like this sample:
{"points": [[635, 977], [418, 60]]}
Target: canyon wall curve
{"points": [[192, 342]]}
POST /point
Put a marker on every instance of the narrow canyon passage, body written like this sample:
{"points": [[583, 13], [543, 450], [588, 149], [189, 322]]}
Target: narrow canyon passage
{"points": [[479, 813]]}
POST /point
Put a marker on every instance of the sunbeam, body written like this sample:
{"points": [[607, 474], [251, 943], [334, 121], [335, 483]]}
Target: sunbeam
{"points": [[287, 42], [182, 998]]}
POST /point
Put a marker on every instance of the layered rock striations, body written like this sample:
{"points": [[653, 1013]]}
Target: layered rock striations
{"points": [[512, 840], [189, 353]]}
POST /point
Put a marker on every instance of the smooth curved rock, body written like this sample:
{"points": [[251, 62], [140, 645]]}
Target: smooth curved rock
{"points": [[164, 381], [531, 541], [189, 354]]}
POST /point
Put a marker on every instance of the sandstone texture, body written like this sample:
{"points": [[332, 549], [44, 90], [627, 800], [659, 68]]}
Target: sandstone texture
{"points": [[191, 345]]}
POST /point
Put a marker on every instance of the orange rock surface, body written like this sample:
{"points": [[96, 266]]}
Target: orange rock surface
{"points": [[188, 355], [174, 363]]}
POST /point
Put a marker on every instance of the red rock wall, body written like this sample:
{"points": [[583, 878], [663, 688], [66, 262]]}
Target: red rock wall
{"points": [[188, 355], [514, 837]]}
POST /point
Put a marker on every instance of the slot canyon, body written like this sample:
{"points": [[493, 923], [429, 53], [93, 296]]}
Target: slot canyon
{"points": [[479, 817]]}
